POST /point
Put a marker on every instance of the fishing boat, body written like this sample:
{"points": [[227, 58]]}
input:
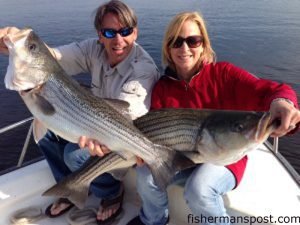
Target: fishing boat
{"points": [[268, 194]]}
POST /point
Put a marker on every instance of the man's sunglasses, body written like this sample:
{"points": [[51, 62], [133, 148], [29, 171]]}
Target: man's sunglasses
{"points": [[191, 41], [111, 33]]}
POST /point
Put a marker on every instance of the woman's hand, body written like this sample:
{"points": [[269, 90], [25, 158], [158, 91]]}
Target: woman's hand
{"points": [[3, 32], [94, 147], [288, 115]]}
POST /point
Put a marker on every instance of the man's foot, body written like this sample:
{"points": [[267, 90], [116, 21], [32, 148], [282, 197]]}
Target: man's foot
{"points": [[110, 209], [137, 221], [61, 206]]}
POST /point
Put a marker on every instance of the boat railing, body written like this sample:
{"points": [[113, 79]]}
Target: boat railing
{"points": [[271, 146], [26, 142], [274, 147]]}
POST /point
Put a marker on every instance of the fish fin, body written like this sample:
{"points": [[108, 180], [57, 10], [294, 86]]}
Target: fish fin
{"points": [[196, 157], [124, 155], [119, 174], [181, 161], [164, 168], [73, 187], [76, 193], [119, 105], [43, 104], [39, 130]]}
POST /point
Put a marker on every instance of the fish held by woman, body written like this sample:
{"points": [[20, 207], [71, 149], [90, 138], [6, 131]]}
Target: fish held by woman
{"points": [[215, 136]]}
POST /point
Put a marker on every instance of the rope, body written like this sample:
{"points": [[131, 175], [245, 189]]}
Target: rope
{"points": [[27, 216]]}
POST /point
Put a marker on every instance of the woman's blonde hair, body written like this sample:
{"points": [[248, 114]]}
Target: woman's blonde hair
{"points": [[172, 33]]}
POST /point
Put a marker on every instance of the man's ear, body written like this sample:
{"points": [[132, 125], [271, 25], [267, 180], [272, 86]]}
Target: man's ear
{"points": [[135, 33], [100, 37]]}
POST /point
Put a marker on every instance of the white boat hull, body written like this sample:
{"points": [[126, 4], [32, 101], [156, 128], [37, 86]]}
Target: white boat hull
{"points": [[267, 189]]}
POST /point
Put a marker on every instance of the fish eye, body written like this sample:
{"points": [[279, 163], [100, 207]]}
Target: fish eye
{"points": [[32, 47], [238, 127]]}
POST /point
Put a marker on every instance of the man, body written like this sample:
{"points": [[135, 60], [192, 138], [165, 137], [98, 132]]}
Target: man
{"points": [[120, 69]]}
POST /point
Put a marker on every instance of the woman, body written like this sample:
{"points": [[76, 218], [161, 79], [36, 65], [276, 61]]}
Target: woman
{"points": [[194, 80]]}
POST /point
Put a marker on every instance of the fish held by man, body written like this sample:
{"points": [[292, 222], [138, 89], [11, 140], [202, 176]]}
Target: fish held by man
{"points": [[70, 111], [214, 136]]}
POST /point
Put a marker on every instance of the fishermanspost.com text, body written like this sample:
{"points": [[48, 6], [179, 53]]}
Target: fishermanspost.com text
{"points": [[243, 219]]}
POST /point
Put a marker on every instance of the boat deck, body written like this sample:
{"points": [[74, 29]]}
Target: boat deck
{"points": [[266, 190]]}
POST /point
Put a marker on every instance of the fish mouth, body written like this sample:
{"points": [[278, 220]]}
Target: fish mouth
{"points": [[10, 39], [29, 90], [265, 127], [24, 92]]}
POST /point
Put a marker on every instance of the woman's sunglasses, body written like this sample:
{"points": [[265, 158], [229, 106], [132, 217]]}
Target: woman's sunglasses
{"points": [[191, 41], [111, 33]]}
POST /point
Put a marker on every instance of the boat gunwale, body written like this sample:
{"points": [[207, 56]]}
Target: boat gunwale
{"points": [[288, 167]]}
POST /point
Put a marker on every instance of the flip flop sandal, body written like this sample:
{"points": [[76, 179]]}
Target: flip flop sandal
{"points": [[58, 202], [27, 215], [86, 216], [108, 203]]}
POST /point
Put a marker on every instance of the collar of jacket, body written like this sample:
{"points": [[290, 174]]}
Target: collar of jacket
{"points": [[171, 74]]}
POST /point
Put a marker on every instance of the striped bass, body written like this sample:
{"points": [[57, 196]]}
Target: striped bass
{"points": [[70, 111], [211, 136]]}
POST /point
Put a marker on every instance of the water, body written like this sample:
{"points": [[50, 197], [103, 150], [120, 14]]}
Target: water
{"points": [[262, 37]]}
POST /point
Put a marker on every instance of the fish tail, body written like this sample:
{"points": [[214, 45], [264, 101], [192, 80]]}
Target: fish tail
{"points": [[77, 193], [164, 167]]}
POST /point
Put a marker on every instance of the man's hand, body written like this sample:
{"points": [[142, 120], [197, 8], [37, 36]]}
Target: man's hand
{"points": [[3, 33], [95, 148], [139, 161], [288, 115]]}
